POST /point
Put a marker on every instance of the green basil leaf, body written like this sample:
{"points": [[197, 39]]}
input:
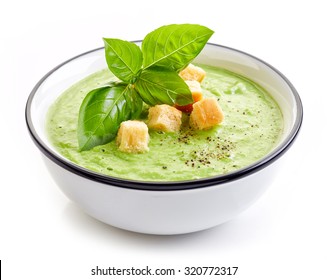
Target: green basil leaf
{"points": [[156, 86], [134, 102], [102, 111], [174, 46], [124, 59]]}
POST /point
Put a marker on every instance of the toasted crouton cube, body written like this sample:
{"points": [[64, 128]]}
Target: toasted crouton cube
{"points": [[165, 118], [195, 89], [197, 95], [192, 73], [206, 114], [133, 137], [194, 86]]}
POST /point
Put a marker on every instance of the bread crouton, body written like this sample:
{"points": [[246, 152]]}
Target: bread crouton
{"points": [[133, 137], [192, 73], [206, 114], [165, 118], [197, 95]]}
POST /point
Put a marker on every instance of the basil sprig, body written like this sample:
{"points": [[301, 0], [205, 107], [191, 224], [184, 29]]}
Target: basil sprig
{"points": [[149, 75]]}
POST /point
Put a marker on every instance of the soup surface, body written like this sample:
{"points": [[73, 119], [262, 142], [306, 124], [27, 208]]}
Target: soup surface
{"points": [[252, 125]]}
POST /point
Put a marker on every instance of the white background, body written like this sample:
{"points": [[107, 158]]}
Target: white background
{"points": [[45, 236]]}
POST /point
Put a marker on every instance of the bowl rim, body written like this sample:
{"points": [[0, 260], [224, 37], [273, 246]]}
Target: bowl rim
{"points": [[166, 185]]}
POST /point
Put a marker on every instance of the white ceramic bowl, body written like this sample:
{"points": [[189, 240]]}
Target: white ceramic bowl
{"points": [[173, 207]]}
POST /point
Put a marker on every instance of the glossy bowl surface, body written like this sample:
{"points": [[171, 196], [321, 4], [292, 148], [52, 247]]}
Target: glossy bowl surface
{"points": [[164, 207]]}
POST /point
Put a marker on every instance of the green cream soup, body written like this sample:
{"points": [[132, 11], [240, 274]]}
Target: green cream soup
{"points": [[252, 125]]}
